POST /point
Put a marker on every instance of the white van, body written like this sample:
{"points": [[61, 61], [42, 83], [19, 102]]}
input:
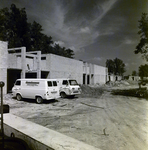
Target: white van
{"points": [[68, 87], [38, 89]]}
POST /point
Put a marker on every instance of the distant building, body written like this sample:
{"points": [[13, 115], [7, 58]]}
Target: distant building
{"points": [[134, 78], [114, 78], [17, 63]]}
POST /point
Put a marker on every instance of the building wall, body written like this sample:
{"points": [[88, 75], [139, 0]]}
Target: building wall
{"points": [[94, 74], [30, 64], [12, 63], [44, 65], [100, 74], [52, 66], [3, 64], [134, 78], [114, 78], [62, 67]]}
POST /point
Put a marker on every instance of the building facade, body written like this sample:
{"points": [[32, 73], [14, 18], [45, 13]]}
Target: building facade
{"points": [[17, 63]]}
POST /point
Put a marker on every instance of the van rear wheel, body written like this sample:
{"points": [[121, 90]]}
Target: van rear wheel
{"points": [[39, 100], [18, 97]]}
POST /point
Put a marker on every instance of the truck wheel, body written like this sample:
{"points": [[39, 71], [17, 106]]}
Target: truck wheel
{"points": [[63, 95], [72, 96], [141, 94], [18, 97], [39, 100]]}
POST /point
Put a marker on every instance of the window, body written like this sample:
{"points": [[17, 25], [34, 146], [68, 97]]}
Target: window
{"points": [[49, 83], [54, 83], [18, 83], [43, 58], [73, 82], [65, 82]]}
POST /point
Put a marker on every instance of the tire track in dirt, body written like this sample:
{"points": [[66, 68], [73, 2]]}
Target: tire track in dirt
{"points": [[121, 124], [126, 126]]}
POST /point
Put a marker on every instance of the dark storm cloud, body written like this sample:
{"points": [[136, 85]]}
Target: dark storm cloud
{"points": [[95, 29], [70, 22], [82, 12]]}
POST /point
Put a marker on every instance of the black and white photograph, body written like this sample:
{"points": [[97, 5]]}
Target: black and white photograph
{"points": [[73, 74]]}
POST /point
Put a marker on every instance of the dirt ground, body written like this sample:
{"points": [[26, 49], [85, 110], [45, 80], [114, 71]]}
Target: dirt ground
{"points": [[97, 117]]}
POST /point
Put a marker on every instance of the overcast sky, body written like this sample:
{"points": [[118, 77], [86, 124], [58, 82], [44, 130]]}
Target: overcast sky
{"points": [[96, 30]]}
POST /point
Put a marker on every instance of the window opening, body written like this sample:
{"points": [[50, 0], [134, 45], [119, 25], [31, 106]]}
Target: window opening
{"points": [[18, 83], [65, 82], [49, 83], [54, 83]]}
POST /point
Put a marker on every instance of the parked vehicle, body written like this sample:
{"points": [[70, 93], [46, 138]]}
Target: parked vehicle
{"points": [[142, 92], [38, 89], [143, 88], [68, 87]]}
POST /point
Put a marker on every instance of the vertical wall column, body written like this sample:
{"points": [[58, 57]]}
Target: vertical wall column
{"points": [[90, 72], [3, 64], [39, 64], [86, 73], [106, 74], [23, 57]]}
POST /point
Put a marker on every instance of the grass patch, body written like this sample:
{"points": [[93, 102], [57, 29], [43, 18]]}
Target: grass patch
{"points": [[136, 92]]}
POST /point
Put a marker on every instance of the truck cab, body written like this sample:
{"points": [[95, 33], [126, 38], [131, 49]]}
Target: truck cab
{"points": [[68, 87]]}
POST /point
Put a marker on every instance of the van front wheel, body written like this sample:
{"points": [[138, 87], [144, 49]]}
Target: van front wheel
{"points": [[63, 95], [18, 97], [39, 100]]}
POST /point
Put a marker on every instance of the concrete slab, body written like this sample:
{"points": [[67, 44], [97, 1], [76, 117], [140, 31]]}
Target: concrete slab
{"points": [[39, 137]]}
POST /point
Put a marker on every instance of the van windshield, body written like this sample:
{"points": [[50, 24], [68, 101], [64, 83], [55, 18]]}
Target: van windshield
{"points": [[73, 82], [18, 82]]}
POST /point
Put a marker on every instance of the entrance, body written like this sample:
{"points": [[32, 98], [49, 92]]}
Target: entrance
{"points": [[44, 74], [12, 76], [84, 75], [31, 75]]}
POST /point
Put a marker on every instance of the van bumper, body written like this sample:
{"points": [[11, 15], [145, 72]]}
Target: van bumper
{"points": [[49, 97], [73, 92]]}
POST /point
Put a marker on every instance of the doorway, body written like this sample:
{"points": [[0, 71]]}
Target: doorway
{"points": [[12, 76]]}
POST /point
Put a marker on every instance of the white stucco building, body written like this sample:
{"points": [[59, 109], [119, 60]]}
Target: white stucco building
{"points": [[17, 63]]}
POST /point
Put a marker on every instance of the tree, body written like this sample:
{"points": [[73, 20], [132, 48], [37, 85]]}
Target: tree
{"points": [[36, 36], [111, 66], [15, 29], [69, 53], [40, 41], [142, 47], [134, 73], [62, 51], [119, 67], [143, 71], [116, 66]]}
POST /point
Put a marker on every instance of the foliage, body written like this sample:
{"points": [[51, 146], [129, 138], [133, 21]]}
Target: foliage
{"points": [[116, 66], [142, 47], [119, 66], [15, 29], [111, 66], [62, 51], [143, 71], [134, 73]]}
